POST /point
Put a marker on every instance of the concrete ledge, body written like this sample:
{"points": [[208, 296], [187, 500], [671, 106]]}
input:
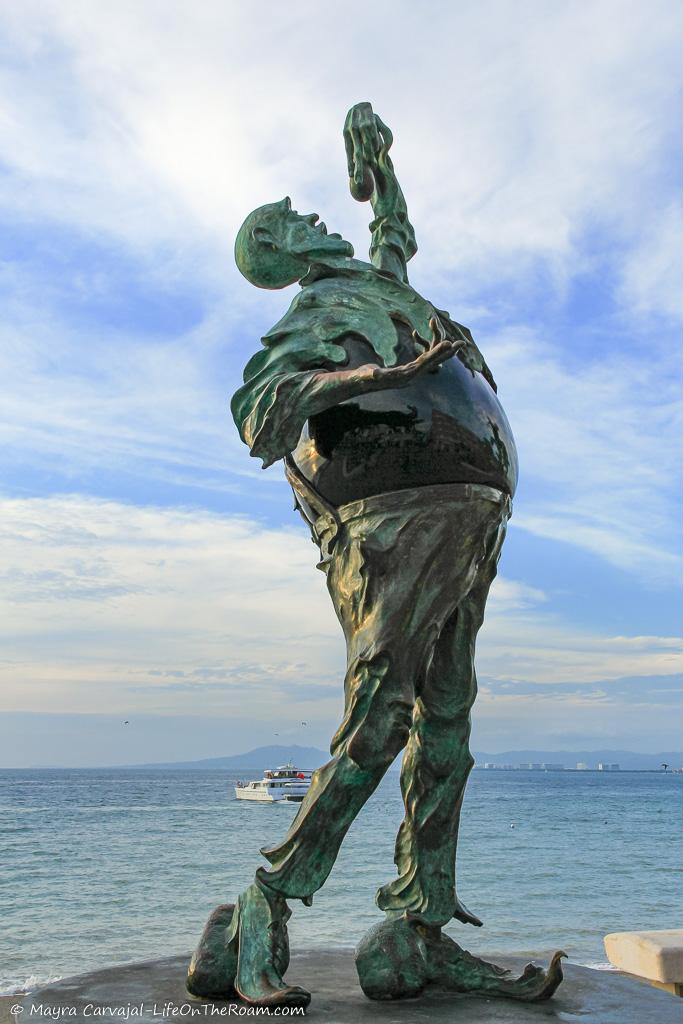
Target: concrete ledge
{"points": [[155, 990], [655, 956]]}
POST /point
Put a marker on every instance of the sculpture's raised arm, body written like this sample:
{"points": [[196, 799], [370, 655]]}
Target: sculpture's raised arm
{"points": [[371, 177]]}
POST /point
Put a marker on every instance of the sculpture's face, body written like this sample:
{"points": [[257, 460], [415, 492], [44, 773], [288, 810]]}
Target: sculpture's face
{"points": [[276, 245], [304, 235]]}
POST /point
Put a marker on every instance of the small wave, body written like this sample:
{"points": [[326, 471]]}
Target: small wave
{"points": [[601, 965], [11, 987]]}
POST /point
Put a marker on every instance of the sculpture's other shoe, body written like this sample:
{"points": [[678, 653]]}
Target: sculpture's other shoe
{"points": [[264, 950], [456, 969], [213, 967], [399, 958]]}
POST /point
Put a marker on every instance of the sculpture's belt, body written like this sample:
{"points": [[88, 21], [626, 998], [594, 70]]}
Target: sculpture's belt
{"points": [[326, 519], [418, 497]]}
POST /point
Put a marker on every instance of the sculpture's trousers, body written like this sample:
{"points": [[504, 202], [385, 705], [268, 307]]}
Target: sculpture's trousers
{"points": [[408, 572]]}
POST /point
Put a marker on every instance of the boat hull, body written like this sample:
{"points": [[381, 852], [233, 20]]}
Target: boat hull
{"points": [[285, 784], [276, 797]]}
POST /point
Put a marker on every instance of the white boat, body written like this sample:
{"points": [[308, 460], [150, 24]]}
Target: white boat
{"points": [[285, 783]]}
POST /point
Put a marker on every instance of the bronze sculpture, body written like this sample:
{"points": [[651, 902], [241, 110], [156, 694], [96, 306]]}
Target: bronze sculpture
{"points": [[403, 465]]}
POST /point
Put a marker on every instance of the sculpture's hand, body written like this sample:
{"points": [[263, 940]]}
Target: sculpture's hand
{"points": [[363, 143], [371, 173], [436, 352]]}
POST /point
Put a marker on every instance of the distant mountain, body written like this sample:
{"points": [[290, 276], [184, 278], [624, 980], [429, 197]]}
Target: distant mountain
{"points": [[311, 757], [260, 758], [626, 759]]}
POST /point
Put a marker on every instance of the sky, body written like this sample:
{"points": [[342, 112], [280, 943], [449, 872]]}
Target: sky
{"points": [[151, 572]]}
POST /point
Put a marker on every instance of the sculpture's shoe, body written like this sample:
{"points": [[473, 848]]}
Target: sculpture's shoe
{"points": [[399, 958], [264, 950], [535, 985], [213, 967], [454, 968]]}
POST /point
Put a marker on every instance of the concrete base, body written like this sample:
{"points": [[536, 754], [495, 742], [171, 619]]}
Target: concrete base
{"points": [[674, 987], [155, 990], [656, 957]]}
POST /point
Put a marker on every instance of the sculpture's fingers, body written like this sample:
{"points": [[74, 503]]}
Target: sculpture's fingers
{"points": [[358, 171], [431, 357], [352, 126], [348, 146], [438, 333], [385, 132], [368, 151], [419, 340], [386, 140], [434, 357], [371, 141]]}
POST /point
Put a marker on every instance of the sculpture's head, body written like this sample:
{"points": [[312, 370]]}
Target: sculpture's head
{"points": [[276, 245]]}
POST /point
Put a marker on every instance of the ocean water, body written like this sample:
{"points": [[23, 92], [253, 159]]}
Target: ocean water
{"points": [[108, 866]]}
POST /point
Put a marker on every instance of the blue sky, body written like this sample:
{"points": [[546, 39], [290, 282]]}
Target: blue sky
{"points": [[150, 571]]}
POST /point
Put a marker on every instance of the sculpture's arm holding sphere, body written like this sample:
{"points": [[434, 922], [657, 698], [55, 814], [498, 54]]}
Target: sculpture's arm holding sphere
{"points": [[339, 385], [371, 177], [270, 410]]}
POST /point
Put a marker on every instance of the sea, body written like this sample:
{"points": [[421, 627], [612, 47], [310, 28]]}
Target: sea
{"points": [[99, 867]]}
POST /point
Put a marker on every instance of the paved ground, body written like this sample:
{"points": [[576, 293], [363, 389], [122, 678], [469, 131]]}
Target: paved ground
{"points": [[5, 1003], [152, 990]]}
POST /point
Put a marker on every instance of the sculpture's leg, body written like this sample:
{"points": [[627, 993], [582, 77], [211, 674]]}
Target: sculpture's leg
{"points": [[217, 971], [303, 861], [395, 578], [264, 950], [437, 763], [392, 590], [404, 954]]}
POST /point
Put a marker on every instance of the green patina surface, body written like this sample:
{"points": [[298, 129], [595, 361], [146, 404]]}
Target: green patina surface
{"points": [[408, 571]]}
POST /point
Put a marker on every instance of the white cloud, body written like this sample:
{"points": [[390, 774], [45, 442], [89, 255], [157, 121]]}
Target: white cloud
{"points": [[511, 595], [653, 272], [572, 721], [116, 606], [96, 398], [537, 648], [599, 443], [528, 125]]}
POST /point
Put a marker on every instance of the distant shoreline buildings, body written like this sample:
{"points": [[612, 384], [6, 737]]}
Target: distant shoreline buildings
{"points": [[545, 766]]}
